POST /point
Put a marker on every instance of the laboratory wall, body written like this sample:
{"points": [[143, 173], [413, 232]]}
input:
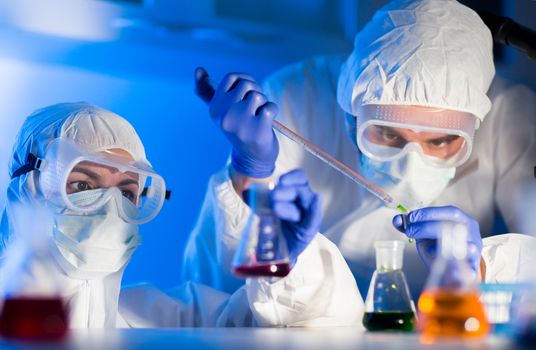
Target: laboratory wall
{"points": [[115, 56], [137, 59]]}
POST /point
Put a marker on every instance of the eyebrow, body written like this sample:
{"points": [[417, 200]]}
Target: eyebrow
{"points": [[444, 138], [94, 176], [89, 173], [389, 129], [128, 182]]}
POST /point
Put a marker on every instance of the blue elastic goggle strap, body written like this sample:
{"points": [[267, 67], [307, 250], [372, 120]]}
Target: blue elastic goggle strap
{"points": [[32, 163]]}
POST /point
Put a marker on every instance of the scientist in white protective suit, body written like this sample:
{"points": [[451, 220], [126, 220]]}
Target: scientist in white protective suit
{"points": [[412, 110], [89, 166]]}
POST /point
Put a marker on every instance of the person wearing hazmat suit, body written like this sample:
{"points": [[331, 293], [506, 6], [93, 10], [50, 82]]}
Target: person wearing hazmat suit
{"points": [[88, 167], [416, 110]]}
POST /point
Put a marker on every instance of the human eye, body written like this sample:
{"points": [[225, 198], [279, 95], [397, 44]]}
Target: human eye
{"points": [[79, 186], [129, 194], [442, 141], [389, 137]]}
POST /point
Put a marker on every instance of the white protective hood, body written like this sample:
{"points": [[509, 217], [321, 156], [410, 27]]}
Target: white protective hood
{"points": [[403, 57]]}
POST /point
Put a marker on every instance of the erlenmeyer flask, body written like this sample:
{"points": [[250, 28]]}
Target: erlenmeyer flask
{"points": [[449, 305], [262, 250], [388, 305], [32, 308]]}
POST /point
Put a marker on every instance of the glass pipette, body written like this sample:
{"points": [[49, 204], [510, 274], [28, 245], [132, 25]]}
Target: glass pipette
{"points": [[205, 90], [339, 166]]}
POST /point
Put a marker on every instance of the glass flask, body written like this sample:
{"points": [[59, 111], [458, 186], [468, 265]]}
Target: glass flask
{"points": [[32, 308], [449, 306], [262, 250], [388, 306]]}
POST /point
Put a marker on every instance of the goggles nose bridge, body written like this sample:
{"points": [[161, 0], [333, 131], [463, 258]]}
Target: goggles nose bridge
{"points": [[413, 147]]}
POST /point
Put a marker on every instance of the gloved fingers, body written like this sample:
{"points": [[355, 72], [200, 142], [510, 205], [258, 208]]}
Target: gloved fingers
{"points": [[474, 253], [398, 223], [267, 113], [448, 213], [427, 249], [254, 100], [284, 193], [287, 211], [433, 230], [220, 101], [425, 230], [313, 215], [230, 80], [241, 89], [293, 178], [300, 195], [305, 196], [243, 119]]}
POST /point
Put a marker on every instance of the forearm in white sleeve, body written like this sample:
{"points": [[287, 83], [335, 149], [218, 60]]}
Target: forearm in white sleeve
{"points": [[212, 243], [320, 291], [509, 258]]}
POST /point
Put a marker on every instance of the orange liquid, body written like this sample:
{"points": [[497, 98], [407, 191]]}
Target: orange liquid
{"points": [[451, 314]]}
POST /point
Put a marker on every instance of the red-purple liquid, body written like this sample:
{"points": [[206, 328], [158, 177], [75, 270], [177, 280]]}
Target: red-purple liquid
{"points": [[266, 270], [32, 318]]}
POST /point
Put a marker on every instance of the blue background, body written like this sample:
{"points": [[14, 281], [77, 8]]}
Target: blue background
{"points": [[137, 59]]}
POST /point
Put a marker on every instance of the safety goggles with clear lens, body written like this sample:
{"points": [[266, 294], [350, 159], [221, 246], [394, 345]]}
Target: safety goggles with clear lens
{"points": [[443, 138], [98, 177]]}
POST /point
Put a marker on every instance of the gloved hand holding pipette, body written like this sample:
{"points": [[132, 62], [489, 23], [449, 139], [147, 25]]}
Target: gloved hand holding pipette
{"points": [[424, 225], [245, 117]]}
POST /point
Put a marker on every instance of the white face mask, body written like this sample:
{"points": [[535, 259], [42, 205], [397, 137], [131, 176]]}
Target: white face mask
{"points": [[408, 179], [94, 244]]}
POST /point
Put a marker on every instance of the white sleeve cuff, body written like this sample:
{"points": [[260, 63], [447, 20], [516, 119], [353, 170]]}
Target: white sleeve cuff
{"points": [[320, 291], [509, 258]]}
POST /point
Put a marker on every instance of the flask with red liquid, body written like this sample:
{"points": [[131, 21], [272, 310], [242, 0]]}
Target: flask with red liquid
{"points": [[263, 250], [31, 307]]}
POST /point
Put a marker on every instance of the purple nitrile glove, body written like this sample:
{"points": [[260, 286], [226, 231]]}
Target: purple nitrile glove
{"points": [[299, 209], [424, 225], [245, 116]]}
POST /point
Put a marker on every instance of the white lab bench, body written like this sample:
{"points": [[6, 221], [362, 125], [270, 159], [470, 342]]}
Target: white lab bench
{"points": [[254, 338]]}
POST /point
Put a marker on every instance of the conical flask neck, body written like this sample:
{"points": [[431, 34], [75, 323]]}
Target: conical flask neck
{"points": [[258, 197], [453, 242], [389, 255]]}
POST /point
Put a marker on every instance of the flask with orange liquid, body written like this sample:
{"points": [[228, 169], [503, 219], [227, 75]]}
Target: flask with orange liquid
{"points": [[449, 306]]}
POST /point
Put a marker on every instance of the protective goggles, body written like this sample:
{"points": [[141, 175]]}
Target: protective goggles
{"points": [[69, 169], [443, 138]]}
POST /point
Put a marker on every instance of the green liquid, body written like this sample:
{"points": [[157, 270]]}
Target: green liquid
{"points": [[389, 321], [402, 208]]}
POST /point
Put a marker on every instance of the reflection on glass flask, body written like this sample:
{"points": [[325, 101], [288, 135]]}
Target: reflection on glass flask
{"points": [[262, 250], [450, 305], [32, 308], [388, 306]]}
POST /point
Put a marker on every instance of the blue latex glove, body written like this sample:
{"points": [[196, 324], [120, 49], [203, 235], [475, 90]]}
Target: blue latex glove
{"points": [[246, 117], [299, 209], [424, 225]]}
